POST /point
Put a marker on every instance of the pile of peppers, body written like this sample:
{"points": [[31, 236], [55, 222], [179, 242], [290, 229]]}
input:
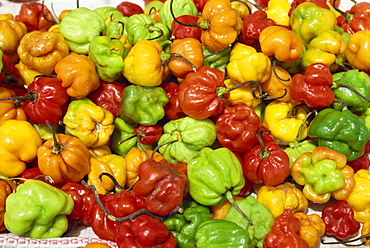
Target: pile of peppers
{"points": [[187, 123]]}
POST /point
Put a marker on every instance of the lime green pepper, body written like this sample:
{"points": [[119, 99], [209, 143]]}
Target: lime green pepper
{"points": [[182, 139], [79, 27], [217, 60], [110, 13], [341, 131], [183, 226], [260, 215], [108, 55], [217, 233], [308, 21], [153, 6], [37, 210], [179, 7], [295, 149], [142, 27], [143, 105], [357, 80]]}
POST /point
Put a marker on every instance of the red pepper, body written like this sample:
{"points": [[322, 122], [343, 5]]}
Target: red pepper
{"points": [[202, 93], [262, 3], [162, 185], [285, 232], [313, 88], [34, 173], [84, 201], [172, 109], [319, 3], [144, 231], [181, 31], [237, 127], [35, 16], [253, 25], [108, 96], [359, 18], [362, 162], [9, 74], [119, 205], [339, 220], [266, 163], [148, 134], [128, 8]]}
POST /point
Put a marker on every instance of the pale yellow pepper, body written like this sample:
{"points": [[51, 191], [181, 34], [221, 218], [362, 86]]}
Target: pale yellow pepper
{"points": [[243, 94], [278, 10]]}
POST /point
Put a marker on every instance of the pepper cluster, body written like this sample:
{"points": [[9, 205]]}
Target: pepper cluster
{"points": [[189, 123]]}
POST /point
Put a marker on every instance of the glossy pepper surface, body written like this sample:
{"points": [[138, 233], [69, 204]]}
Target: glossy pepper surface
{"points": [[44, 215], [312, 228], [358, 50], [35, 16]]}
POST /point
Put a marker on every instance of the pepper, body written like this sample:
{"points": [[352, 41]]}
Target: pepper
{"points": [[319, 3], [14, 152], [278, 10], [362, 162], [244, 8], [142, 27], [157, 181], [79, 27], [221, 233], [42, 50], [172, 109], [284, 44], [360, 82], [179, 31], [143, 104], [313, 87], [182, 139], [358, 49], [10, 36], [296, 148], [92, 124], [308, 20], [177, 8], [341, 131], [312, 228], [217, 60], [248, 94], [357, 18], [78, 74], [37, 210], [26, 75], [6, 188], [278, 85], [183, 226], [285, 232], [9, 73], [35, 16], [129, 9], [322, 172], [281, 197], [144, 59], [9, 109], [108, 55], [247, 64], [260, 215], [237, 127]]}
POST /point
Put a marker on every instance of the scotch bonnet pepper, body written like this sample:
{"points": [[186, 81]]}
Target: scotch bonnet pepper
{"points": [[358, 50]]}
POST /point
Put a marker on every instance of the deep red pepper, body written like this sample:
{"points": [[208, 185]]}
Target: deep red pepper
{"points": [[34, 173], [129, 8], [172, 109], [253, 25], [362, 162], [339, 220], [200, 4], [359, 18], [144, 231], [313, 88], [36, 16], [108, 96], [180, 31], [162, 185], [285, 232], [9, 74], [295, 3], [262, 3], [237, 127], [148, 134], [201, 94]]}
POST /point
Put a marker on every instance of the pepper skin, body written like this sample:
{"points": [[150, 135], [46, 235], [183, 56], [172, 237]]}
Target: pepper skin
{"points": [[358, 49]]}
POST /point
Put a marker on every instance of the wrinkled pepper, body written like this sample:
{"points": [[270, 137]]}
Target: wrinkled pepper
{"points": [[312, 228], [217, 60], [9, 109], [358, 49]]}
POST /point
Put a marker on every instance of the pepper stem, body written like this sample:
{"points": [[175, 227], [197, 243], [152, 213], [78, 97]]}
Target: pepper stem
{"points": [[347, 241], [298, 136], [117, 188], [263, 153], [8, 184], [221, 91], [150, 28], [230, 198], [335, 85], [56, 146], [273, 59]]}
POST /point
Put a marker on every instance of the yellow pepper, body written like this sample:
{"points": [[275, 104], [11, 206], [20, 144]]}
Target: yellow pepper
{"points": [[19, 142], [243, 94], [359, 199], [312, 228], [11, 33], [42, 50], [54, 28], [113, 164], [247, 64], [358, 50], [27, 75], [243, 8], [92, 124], [143, 64], [275, 87], [7, 16], [281, 197], [284, 119], [99, 151], [278, 10]]}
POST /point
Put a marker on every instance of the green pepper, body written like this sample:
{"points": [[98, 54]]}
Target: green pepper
{"points": [[110, 13], [295, 149], [215, 175], [366, 116], [217, 60], [116, 28], [217, 233], [357, 80], [123, 131], [79, 27], [108, 55], [142, 27], [153, 6], [260, 215], [179, 7], [37, 210], [143, 105], [341, 131], [183, 138], [183, 226], [308, 20]]}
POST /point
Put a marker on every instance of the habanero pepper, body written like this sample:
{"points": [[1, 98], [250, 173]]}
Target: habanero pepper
{"points": [[36, 16], [172, 109], [9, 109], [312, 228], [358, 18], [358, 49], [9, 73], [179, 31]]}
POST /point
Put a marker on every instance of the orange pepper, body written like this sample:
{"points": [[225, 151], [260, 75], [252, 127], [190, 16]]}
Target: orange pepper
{"points": [[312, 228]]}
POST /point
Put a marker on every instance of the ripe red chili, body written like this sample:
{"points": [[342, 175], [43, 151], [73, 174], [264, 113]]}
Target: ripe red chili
{"points": [[128, 8]]}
